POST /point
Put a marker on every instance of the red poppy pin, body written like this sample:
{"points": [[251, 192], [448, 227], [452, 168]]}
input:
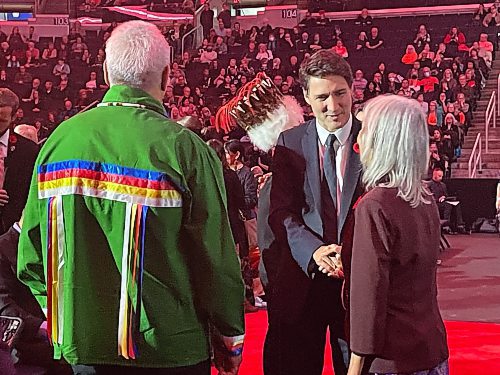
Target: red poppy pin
{"points": [[355, 147], [359, 200], [12, 142]]}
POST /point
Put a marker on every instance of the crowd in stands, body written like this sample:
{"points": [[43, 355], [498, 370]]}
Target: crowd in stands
{"points": [[57, 78]]}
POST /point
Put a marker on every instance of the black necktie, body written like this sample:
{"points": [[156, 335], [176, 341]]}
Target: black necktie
{"points": [[330, 167]]}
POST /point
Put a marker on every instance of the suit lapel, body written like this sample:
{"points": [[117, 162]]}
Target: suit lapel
{"points": [[352, 171], [312, 175]]}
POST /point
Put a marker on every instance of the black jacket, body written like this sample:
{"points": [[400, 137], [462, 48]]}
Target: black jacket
{"points": [[19, 164]]}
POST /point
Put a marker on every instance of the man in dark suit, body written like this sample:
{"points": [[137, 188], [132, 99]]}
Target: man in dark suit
{"points": [[316, 180], [17, 158]]}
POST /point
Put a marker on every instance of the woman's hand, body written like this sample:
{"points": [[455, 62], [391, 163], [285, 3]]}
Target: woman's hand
{"points": [[356, 364]]}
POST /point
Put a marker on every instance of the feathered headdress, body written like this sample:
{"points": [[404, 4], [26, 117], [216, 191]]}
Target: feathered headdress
{"points": [[262, 110]]}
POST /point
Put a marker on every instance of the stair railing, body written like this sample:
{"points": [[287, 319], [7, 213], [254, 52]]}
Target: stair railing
{"points": [[191, 32], [475, 162], [490, 118]]}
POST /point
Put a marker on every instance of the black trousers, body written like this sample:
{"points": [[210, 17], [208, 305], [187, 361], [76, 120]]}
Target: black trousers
{"points": [[202, 368], [298, 349]]}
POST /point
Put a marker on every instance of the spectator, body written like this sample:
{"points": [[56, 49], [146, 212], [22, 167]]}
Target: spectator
{"points": [[225, 16], [220, 30], [61, 68], [188, 6], [340, 49], [361, 41], [492, 18], [323, 20], [208, 55], [455, 42], [308, 21], [422, 38], [49, 53], [433, 119], [423, 104], [78, 47], [436, 160], [16, 40], [485, 49], [371, 91], [3, 36], [479, 14], [364, 19], [451, 213], [374, 41], [406, 89], [410, 55], [359, 82], [429, 84], [220, 46], [207, 19], [303, 44], [264, 53], [22, 76], [316, 43], [287, 47]]}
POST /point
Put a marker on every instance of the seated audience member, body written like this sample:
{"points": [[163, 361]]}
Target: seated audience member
{"points": [[61, 68], [371, 91], [448, 84], [451, 136], [316, 43], [220, 46], [422, 38], [322, 20], [208, 55], [22, 76], [455, 42], [485, 49], [374, 40], [359, 82], [464, 107], [429, 84], [406, 89], [452, 213], [436, 159], [422, 103], [49, 53], [264, 53], [394, 84], [340, 49], [492, 18], [478, 64], [364, 19], [479, 14], [410, 55], [434, 118], [426, 57], [361, 41]]}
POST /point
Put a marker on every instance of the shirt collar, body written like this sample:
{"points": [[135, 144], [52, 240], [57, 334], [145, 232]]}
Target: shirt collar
{"points": [[342, 134], [127, 94], [4, 139]]}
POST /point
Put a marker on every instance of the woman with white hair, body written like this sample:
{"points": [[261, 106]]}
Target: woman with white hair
{"points": [[395, 323]]}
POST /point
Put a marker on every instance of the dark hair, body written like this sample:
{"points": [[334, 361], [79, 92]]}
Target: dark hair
{"points": [[233, 146], [322, 64], [218, 147], [9, 99]]}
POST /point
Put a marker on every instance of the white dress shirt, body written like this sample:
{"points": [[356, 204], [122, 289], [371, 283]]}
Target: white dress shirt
{"points": [[342, 135]]}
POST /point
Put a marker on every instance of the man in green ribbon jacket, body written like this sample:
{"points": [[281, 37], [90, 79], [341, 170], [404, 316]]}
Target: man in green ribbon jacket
{"points": [[126, 239]]}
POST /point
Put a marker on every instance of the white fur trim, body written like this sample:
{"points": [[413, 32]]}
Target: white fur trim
{"points": [[288, 115]]}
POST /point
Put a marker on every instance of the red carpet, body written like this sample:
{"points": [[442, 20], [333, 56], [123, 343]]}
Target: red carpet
{"points": [[474, 347]]}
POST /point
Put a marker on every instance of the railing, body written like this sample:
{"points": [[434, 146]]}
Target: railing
{"points": [[198, 36], [490, 117], [191, 32], [475, 157], [498, 93]]}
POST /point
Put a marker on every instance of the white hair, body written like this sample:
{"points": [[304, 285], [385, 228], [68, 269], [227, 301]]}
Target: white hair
{"points": [[394, 146], [136, 55], [27, 131]]}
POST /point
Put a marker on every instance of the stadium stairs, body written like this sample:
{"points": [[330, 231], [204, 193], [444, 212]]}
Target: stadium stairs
{"points": [[491, 160]]}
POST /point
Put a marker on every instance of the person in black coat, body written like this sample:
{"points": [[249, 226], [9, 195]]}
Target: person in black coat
{"points": [[207, 19], [16, 300], [18, 155]]}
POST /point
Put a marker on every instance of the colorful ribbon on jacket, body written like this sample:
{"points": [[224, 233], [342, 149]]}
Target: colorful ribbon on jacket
{"points": [[55, 270], [132, 277]]}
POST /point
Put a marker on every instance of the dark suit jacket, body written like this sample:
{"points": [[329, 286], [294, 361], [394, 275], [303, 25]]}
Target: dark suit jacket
{"points": [[16, 298], [295, 212], [19, 164]]}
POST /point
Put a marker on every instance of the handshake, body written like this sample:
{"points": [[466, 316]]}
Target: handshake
{"points": [[328, 260]]}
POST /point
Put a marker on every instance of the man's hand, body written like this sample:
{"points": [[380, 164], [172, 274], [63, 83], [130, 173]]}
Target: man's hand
{"points": [[328, 260], [225, 363], [4, 198], [441, 199]]}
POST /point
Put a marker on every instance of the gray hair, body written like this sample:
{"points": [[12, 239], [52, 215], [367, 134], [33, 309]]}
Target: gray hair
{"points": [[395, 147], [136, 55]]}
